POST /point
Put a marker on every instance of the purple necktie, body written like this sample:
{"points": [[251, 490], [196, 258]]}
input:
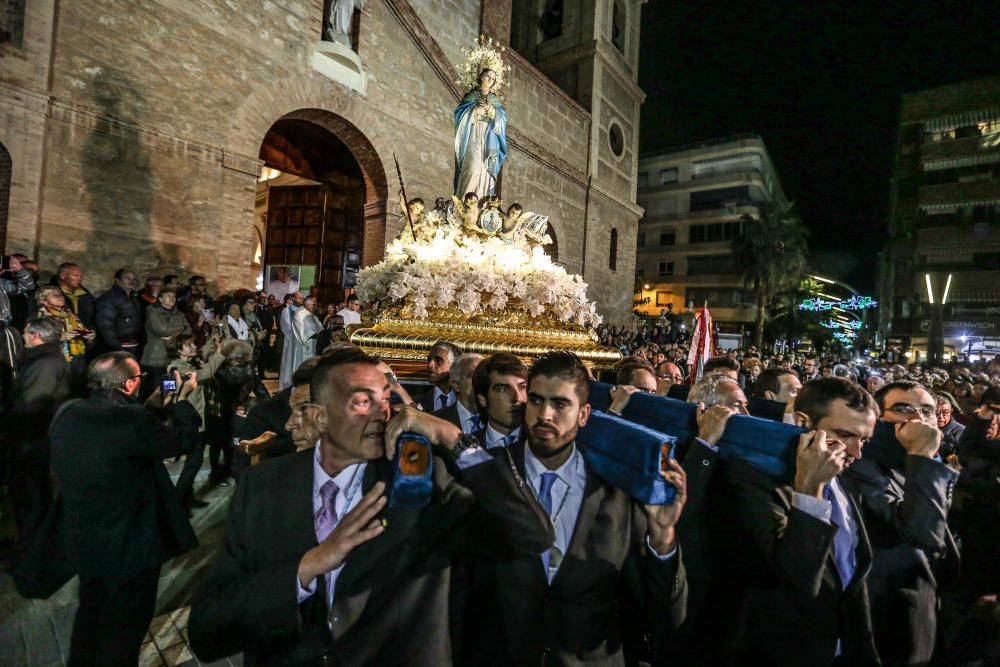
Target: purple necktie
{"points": [[843, 540], [326, 517]]}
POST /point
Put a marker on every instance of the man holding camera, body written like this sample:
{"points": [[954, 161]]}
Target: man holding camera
{"points": [[121, 517]]}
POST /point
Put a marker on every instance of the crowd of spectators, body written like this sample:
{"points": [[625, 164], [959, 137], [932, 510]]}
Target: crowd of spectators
{"points": [[854, 558]]}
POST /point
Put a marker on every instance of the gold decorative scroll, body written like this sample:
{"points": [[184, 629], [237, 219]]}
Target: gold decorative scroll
{"points": [[395, 336]]}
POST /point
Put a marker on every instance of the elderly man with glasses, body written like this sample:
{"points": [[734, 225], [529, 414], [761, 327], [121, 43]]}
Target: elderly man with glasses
{"points": [[121, 518]]}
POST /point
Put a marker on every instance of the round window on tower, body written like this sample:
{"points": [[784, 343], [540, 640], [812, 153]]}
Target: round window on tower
{"points": [[616, 139]]}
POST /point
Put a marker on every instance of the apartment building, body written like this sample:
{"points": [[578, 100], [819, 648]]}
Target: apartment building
{"points": [[694, 197]]}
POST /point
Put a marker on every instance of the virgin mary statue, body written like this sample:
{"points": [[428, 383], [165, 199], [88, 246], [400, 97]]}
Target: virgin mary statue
{"points": [[480, 138]]}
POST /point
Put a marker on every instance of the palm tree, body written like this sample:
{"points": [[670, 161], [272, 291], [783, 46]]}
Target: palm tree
{"points": [[771, 253]]}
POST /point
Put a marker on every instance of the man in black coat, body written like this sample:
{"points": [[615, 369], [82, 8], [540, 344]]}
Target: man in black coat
{"points": [[42, 384], [439, 361], [273, 414], [612, 576], [119, 315], [906, 495], [121, 517], [315, 568], [804, 599]]}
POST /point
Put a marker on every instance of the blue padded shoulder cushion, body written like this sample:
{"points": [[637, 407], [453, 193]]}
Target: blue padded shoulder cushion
{"points": [[412, 466], [766, 408], [768, 445], [885, 448], [628, 456]]}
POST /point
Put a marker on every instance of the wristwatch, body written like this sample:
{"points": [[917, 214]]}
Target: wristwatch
{"points": [[465, 441]]}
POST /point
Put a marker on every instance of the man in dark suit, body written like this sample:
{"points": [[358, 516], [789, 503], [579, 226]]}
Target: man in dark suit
{"points": [[316, 569], [501, 384], [273, 414], [805, 599], [464, 412], [906, 497], [41, 386], [121, 516], [439, 361], [613, 574]]}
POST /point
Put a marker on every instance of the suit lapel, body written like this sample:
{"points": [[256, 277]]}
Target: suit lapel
{"points": [[863, 553]]}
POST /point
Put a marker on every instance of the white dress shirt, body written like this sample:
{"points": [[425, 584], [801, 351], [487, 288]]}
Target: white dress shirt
{"points": [[494, 438], [349, 494], [467, 420], [451, 398], [567, 498]]}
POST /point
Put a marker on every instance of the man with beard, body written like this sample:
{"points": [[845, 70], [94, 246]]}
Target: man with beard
{"points": [[501, 384], [439, 361], [613, 570]]}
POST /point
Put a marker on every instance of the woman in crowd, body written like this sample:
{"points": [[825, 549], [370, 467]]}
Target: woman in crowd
{"points": [[162, 321], [235, 325], [187, 359], [199, 319], [75, 338], [234, 382]]}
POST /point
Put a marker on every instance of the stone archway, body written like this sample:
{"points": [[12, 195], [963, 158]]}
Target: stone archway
{"points": [[331, 221]]}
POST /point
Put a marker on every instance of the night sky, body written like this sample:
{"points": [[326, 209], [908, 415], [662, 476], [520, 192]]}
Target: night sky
{"points": [[821, 83]]}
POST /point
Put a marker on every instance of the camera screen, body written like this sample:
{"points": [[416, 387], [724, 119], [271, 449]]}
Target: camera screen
{"points": [[169, 385]]}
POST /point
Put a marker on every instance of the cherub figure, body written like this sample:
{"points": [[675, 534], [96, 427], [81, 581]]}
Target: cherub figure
{"points": [[468, 211], [513, 222], [422, 230]]}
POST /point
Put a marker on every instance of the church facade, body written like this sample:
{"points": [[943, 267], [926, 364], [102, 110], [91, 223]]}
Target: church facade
{"points": [[222, 137]]}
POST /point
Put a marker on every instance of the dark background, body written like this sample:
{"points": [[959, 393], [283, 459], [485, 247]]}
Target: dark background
{"points": [[821, 83]]}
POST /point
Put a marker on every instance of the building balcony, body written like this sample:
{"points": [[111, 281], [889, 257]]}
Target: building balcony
{"points": [[951, 149], [960, 193], [723, 214], [750, 176]]}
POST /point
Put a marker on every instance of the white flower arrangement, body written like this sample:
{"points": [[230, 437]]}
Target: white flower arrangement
{"points": [[475, 275], [486, 54]]}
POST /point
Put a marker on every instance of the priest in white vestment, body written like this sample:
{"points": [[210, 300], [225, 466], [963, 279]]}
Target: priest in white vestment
{"points": [[302, 344], [286, 369]]}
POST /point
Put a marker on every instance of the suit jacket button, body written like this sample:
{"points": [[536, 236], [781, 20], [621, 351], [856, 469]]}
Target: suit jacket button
{"points": [[706, 462]]}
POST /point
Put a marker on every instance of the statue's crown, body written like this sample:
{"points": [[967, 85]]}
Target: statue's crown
{"points": [[486, 54]]}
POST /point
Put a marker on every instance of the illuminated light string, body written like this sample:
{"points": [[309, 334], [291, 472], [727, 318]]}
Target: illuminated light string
{"points": [[856, 302], [845, 336], [832, 324]]}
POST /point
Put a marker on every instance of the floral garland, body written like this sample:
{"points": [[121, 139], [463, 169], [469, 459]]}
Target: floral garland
{"points": [[455, 270], [487, 54]]}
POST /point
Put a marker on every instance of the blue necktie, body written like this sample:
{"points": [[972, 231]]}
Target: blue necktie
{"points": [[475, 423], [442, 401], [545, 498], [843, 540], [507, 441]]}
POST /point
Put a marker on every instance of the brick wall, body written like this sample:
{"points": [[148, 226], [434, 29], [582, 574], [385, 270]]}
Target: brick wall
{"points": [[146, 152]]}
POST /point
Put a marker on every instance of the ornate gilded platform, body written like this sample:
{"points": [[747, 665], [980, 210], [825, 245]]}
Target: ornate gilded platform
{"points": [[397, 337]]}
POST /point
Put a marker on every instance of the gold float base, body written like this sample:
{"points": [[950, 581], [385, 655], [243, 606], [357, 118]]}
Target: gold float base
{"points": [[396, 337]]}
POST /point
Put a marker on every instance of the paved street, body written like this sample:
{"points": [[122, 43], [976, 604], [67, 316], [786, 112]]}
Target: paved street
{"points": [[36, 633]]}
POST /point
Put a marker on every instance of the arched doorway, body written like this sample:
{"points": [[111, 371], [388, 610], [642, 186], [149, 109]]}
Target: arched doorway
{"points": [[321, 202], [6, 172]]}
